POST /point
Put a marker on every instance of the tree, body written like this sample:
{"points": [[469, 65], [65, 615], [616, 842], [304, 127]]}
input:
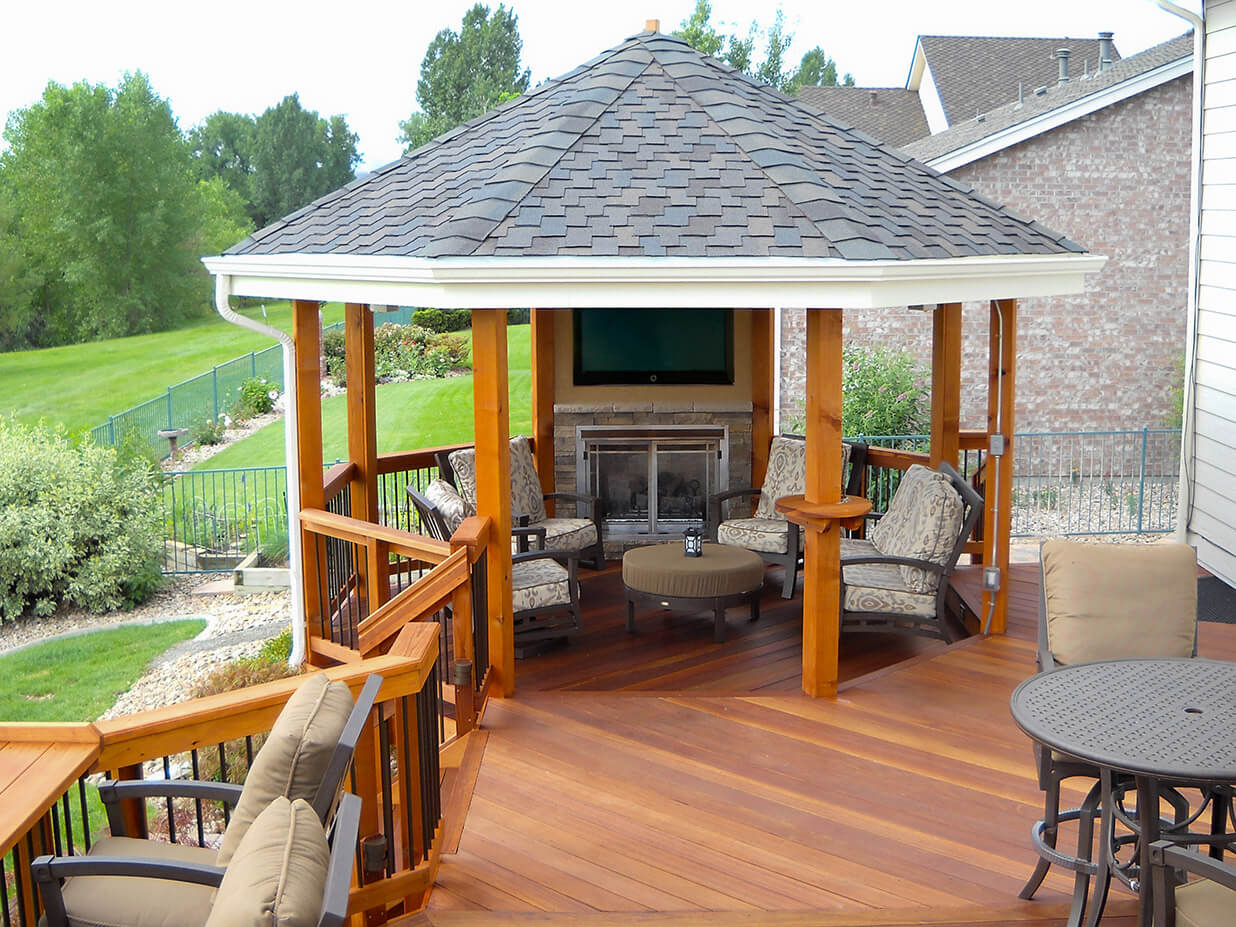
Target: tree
{"points": [[466, 74], [223, 146], [108, 215], [816, 69], [297, 157]]}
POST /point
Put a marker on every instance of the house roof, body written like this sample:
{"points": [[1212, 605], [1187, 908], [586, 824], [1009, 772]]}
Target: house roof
{"points": [[1131, 75], [892, 114], [653, 150], [973, 74]]}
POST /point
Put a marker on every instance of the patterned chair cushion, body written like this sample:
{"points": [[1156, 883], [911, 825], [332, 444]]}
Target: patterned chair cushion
{"points": [[786, 475], [767, 534], [879, 587], [569, 533], [526, 496], [539, 583], [922, 522], [450, 504]]}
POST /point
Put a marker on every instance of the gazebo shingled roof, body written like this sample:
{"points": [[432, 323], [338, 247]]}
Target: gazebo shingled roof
{"points": [[653, 150]]}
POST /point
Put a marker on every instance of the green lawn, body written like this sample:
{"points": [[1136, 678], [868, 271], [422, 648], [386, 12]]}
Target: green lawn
{"points": [[423, 413], [80, 385], [78, 678]]}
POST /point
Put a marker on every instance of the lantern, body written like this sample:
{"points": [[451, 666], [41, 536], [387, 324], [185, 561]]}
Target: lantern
{"points": [[693, 542]]}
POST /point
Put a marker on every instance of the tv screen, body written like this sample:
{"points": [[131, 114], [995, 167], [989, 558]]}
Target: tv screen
{"points": [[661, 346]]}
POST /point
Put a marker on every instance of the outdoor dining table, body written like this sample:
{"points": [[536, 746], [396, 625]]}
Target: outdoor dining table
{"points": [[1167, 723]]}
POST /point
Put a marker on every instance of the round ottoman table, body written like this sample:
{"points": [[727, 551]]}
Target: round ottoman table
{"points": [[662, 575]]}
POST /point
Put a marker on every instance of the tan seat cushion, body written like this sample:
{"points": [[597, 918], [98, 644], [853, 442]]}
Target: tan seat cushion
{"points": [[278, 873], [124, 901], [771, 535], [295, 756], [1117, 601], [879, 587], [137, 846], [1205, 904], [539, 584]]}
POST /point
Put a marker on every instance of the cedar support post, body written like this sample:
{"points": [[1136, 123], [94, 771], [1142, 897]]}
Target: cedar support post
{"points": [[945, 384], [543, 399], [998, 496], [306, 333], [493, 485], [763, 370], [822, 556], [371, 580]]}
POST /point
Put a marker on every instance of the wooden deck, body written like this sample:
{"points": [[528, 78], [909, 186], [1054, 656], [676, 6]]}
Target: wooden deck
{"points": [[907, 799]]}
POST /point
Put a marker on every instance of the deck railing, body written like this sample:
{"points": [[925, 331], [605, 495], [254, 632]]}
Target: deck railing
{"points": [[217, 736]]}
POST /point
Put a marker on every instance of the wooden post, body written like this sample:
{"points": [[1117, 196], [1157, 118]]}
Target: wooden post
{"points": [[998, 501], [306, 333], [493, 485], [543, 399], [822, 556], [372, 585], [763, 373], [945, 383]]}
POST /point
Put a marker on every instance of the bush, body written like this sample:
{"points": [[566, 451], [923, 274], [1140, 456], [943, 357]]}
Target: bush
{"points": [[257, 397], [443, 320], [882, 394], [518, 316], [334, 349], [208, 431], [409, 352], [77, 524]]}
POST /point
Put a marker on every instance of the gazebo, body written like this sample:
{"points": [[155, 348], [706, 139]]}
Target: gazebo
{"points": [[651, 177]]}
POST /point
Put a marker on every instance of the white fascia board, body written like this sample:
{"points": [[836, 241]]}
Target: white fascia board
{"points": [[1054, 118], [584, 282]]}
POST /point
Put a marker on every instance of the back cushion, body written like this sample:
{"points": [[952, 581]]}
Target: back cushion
{"points": [[1116, 601], [526, 496], [922, 522], [786, 475], [451, 506], [277, 876], [295, 756]]}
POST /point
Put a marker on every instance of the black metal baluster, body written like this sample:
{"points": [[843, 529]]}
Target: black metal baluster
{"points": [[55, 820], [388, 813], [227, 809], [405, 781], [171, 811], [81, 797], [67, 812], [197, 802]]}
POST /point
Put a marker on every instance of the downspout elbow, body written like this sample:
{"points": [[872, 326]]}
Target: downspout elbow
{"points": [[223, 294]]}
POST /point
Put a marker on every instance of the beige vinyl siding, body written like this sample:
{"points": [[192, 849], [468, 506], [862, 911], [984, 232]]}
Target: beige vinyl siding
{"points": [[1211, 452]]}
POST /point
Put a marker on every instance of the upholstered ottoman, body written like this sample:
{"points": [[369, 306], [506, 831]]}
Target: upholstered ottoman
{"points": [[662, 575]]}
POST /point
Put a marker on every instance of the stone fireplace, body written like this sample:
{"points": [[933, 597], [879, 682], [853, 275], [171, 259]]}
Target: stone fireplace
{"points": [[653, 464]]}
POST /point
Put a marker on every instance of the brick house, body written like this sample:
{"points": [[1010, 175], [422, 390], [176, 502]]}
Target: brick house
{"points": [[1102, 156]]}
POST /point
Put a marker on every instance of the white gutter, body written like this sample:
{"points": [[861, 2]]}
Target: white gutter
{"points": [[223, 307], [1184, 504], [584, 282]]}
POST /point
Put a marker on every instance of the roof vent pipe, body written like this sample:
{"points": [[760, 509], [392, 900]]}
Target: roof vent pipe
{"points": [[1062, 58], [1105, 51], [652, 25]]}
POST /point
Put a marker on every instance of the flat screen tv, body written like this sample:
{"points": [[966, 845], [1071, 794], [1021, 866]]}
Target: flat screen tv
{"points": [[658, 346]]}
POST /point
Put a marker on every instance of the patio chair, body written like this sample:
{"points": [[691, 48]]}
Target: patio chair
{"points": [[1103, 602], [545, 594], [1208, 901], [767, 532], [898, 578], [580, 536], [306, 755], [286, 870]]}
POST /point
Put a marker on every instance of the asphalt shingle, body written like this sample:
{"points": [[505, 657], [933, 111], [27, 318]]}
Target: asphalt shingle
{"points": [[653, 149]]}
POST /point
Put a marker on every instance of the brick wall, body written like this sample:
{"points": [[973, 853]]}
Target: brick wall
{"points": [[1117, 182]]}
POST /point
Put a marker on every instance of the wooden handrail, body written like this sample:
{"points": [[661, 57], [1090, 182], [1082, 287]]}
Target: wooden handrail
{"points": [[972, 440], [336, 479], [365, 534], [427, 595], [419, 459], [472, 534], [207, 721], [894, 459]]}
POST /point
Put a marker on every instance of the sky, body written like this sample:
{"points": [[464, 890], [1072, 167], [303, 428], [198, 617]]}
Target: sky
{"points": [[361, 59]]}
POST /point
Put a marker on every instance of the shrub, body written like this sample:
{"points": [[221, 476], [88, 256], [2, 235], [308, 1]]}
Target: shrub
{"points": [[208, 430], [257, 397], [409, 352], [518, 316], [334, 349], [77, 524], [443, 320], [882, 394]]}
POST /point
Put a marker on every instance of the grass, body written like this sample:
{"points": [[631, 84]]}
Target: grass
{"points": [[422, 413], [80, 385], [78, 678]]}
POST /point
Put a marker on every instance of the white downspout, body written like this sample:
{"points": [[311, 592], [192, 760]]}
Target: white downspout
{"points": [[1184, 505], [223, 293], [776, 402]]}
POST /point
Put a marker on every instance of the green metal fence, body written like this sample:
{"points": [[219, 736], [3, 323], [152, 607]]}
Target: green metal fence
{"points": [[213, 519], [206, 396]]}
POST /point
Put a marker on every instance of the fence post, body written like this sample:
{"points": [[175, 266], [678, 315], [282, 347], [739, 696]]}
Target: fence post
{"points": [[170, 425], [1141, 489], [111, 431], [214, 388], [252, 364]]}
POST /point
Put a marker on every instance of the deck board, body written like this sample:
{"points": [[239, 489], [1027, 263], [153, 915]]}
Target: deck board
{"points": [[624, 785]]}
